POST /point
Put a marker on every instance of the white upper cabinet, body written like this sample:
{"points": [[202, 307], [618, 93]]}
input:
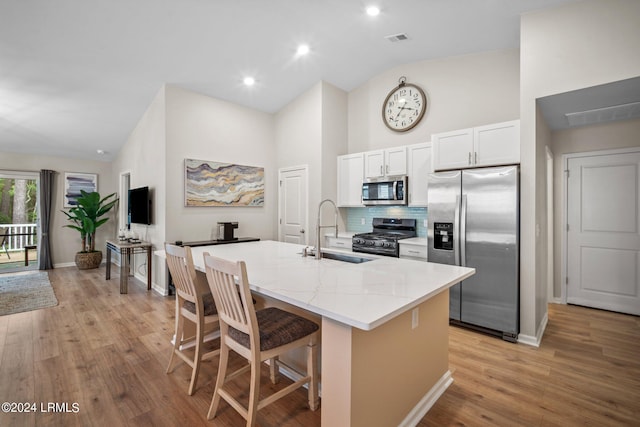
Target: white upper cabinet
{"points": [[350, 177], [490, 145], [497, 144], [419, 167], [374, 164], [389, 162], [453, 150]]}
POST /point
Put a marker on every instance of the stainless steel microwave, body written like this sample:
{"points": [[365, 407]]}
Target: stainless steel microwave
{"points": [[389, 190]]}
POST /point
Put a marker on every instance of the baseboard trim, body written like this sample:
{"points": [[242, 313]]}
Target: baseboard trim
{"points": [[535, 341], [420, 410], [72, 264], [159, 289], [64, 264]]}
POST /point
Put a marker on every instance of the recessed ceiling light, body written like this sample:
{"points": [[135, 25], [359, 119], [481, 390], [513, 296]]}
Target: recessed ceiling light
{"points": [[249, 81], [101, 152], [373, 11], [303, 49]]}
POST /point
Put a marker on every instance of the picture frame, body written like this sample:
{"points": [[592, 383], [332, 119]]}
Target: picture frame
{"points": [[76, 181], [209, 183]]}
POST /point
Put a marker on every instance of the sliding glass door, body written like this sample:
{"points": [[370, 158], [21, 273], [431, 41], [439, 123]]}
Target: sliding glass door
{"points": [[19, 230]]}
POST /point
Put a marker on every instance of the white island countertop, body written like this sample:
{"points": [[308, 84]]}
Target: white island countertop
{"points": [[362, 295]]}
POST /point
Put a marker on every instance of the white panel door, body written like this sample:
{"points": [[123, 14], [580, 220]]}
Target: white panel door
{"points": [[603, 239], [293, 205]]}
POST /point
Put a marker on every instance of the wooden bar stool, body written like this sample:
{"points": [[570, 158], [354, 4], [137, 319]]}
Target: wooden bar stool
{"points": [[194, 303], [257, 336]]}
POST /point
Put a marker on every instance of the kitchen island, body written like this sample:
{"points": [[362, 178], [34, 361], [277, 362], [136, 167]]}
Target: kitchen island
{"points": [[384, 345]]}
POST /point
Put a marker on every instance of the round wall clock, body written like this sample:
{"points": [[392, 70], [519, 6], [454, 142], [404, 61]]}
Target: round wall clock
{"points": [[404, 107]]}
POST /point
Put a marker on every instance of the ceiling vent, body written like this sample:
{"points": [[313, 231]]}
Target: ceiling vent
{"points": [[603, 115], [397, 37]]}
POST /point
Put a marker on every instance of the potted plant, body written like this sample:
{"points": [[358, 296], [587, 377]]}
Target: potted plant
{"points": [[86, 217]]}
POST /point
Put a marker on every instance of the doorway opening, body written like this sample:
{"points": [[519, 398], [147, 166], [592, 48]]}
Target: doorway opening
{"points": [[19, 226]]}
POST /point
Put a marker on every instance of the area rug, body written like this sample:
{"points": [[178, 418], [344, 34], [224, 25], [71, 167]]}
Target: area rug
{"points": [[25, 291]]}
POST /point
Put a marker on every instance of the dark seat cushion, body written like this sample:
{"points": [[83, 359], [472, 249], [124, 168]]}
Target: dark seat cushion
{"points": [[277, 327], [209, 305]]}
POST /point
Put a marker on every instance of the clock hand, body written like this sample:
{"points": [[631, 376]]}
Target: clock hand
{"points": [[399, 111]]}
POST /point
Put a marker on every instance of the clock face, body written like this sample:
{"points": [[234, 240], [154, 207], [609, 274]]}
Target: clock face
{"points": [[404, 107]]}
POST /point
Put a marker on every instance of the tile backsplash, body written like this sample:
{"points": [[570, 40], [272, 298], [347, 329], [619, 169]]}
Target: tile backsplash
{"points": [[356, 215]]}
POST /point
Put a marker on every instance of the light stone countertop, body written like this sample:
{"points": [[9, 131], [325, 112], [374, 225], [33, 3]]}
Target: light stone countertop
{"points": [[362, 295]]}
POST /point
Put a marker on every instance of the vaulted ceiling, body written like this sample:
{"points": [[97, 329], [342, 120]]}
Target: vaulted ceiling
{"points": [[76, 75]]}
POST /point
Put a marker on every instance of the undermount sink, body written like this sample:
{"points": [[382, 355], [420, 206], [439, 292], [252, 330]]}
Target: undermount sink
{"points": [[354, 259]]}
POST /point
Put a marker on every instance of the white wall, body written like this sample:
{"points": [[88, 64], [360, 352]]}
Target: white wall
{"points": [[312, 130], [334, 136], [204, 128], [298, 132], [65, 242], [462, 91], [579, 140], [571, 47], [143, 157]]}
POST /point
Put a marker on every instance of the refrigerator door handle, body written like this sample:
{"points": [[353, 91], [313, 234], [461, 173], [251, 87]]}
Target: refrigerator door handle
{"points": [[463, 232], [456, 232]]}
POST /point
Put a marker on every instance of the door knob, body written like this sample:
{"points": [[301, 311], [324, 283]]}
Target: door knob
{"points": [[302, 231]]}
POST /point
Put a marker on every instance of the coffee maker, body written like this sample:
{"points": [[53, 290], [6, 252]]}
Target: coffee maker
{"points": [[225, 230]]}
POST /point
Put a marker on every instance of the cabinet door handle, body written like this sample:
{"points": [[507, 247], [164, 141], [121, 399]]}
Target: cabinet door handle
{"points": [[381, 170], [387, 168], [469, 157], [475, 157]]}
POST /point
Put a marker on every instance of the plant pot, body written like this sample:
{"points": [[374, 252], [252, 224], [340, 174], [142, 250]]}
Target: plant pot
{"points": [[88, 260]]}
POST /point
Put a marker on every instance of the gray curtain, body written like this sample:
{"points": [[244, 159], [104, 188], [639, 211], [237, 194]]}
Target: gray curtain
{"points": [[46, 195]]}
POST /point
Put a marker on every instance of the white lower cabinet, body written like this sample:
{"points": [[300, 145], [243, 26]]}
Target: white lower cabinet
{"points": [[338, 242], [411, 251]]}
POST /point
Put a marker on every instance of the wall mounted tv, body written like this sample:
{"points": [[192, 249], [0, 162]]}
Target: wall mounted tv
{"points": [[139, 206]]}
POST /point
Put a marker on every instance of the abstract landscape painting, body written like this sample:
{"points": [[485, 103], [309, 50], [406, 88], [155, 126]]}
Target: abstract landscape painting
{"points": [[222, 184], [74, 182]]}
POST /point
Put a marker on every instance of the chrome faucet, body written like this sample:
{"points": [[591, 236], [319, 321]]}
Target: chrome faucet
{"points": [[319, 226]]}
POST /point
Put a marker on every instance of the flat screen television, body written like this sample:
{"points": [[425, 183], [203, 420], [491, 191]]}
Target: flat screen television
{"points": [[139, 206]]}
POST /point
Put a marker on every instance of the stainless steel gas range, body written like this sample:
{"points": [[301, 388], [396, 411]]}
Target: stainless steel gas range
{"points": [[383, 240]]}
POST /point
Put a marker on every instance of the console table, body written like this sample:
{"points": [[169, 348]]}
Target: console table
{"points": [[125, 249]]}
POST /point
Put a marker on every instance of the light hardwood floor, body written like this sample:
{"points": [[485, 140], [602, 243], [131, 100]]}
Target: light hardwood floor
{"points": [[108, 353]]}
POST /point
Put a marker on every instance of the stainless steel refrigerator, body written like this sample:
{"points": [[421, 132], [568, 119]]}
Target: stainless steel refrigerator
{"points": [[474, 221]]}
